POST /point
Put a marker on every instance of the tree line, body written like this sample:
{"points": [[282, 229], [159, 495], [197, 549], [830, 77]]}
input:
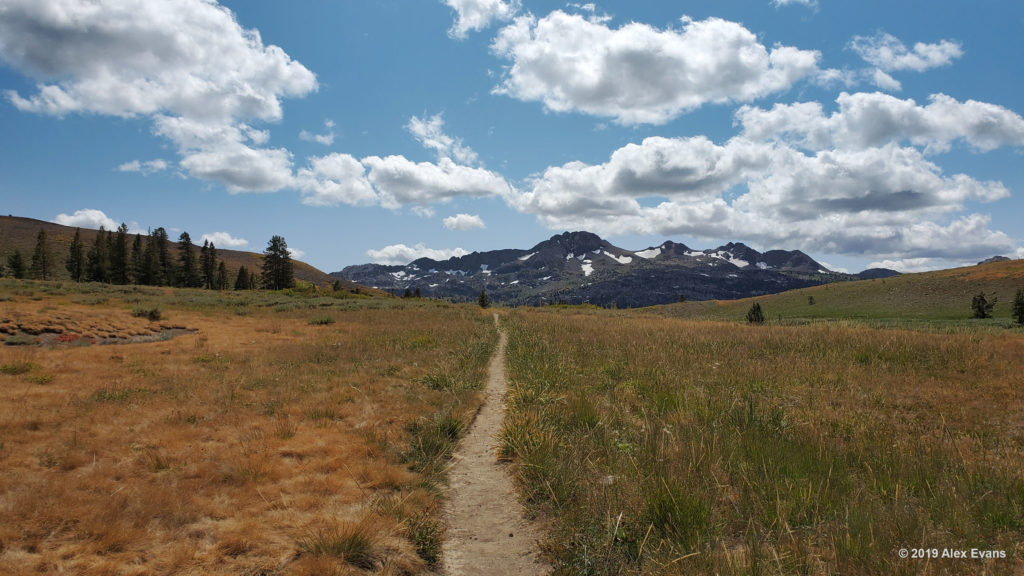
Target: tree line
{"points": [[118, 257]]}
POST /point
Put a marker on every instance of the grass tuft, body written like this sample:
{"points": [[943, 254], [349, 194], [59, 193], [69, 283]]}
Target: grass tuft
{"points": [[16, 368], [353, 542]]}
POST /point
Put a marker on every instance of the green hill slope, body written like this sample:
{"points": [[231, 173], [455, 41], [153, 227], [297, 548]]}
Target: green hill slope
{"points": [[20, 234], [943, 295]]}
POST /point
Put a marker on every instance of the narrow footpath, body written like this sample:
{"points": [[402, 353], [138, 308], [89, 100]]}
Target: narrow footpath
{"points": [[487, 533]]}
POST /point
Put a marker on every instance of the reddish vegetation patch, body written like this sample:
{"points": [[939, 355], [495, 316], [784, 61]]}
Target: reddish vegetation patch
{"points": [[82, 325]]}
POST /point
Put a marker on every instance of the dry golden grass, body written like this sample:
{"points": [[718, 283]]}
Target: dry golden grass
{"points": [[226, 450]]}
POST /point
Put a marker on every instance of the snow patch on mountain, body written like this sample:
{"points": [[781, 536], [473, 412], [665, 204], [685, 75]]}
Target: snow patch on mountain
{"points": [[731, 259], [619, 259]]}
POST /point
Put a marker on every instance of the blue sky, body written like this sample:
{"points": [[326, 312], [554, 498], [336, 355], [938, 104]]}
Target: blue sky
{"points": [[866, 134]]}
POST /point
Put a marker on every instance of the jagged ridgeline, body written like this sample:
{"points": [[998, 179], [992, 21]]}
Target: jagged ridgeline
{"points": [[581, 267]]}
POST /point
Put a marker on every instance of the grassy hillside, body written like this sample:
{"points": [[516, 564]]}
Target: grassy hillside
{"points": [[943, 296], [20, 234]]}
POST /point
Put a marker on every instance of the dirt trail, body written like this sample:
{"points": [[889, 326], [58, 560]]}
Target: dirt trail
{"points": [[487, 533]]}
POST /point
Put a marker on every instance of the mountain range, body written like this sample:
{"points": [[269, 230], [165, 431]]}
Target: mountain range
{"points": [[581, 267]]}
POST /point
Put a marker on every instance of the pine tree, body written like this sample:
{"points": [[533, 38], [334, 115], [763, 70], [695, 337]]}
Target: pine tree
{"points": [[97, 265], [149, 273], [254, 280], [119, 255], [755, 315], [484, 300], [204, 258], [278, 272], [16, 265], [188, 274], [1018, 306], [981, 307], [220, 282], [75, 263], [208, 263], [242, 279], [163, 266], [41, 259], [135, 268]]}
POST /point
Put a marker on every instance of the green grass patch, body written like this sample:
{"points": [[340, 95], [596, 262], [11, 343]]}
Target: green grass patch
{"points": [[660, 446], [16, 368], [20, 340], [39, 378], [151, 313]]}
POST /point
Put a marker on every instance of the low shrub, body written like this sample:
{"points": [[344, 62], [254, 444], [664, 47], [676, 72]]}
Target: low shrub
{"points": [[151, 313], [322, 320]]}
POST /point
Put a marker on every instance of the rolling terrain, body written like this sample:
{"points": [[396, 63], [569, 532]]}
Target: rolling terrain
{"points": [[941, 296], [18, 233]]}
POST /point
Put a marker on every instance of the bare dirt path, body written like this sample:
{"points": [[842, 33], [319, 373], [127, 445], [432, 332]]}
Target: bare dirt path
{"points": [[487, 533]]}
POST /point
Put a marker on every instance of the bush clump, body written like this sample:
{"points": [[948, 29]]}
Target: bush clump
{"points": [[322, 320], [151, 313]]}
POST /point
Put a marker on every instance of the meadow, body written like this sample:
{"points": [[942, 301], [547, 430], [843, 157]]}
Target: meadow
{"points": [[155, 430], [653, 445], [159, 431]]}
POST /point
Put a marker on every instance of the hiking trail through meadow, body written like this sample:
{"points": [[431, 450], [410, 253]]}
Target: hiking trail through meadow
{"points": [[487, 533]]}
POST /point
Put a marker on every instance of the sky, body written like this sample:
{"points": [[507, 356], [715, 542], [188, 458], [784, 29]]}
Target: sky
{"points": [[864, 133]]}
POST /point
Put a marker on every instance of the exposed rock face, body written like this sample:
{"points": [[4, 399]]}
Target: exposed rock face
{"points": [[578, 267]]}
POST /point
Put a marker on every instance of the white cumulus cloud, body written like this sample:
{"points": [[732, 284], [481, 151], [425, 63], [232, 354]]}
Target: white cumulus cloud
{"points": [[475, 15], [224, 240], [184, 62], [335, 179], [639, 74], [888, 200], [400, 181], [866, 120], [888, 53], [430, 133], [909, 265], [463, 222], [400, 254], [87, 218], [884, 81], [326, 138]]}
